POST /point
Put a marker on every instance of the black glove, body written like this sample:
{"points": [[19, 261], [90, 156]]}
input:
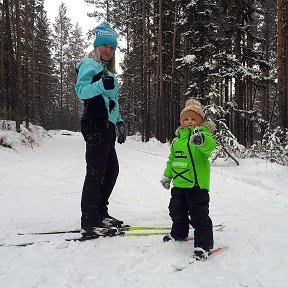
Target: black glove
{"points": [[108, 82], [121, 133], [197, 138]]}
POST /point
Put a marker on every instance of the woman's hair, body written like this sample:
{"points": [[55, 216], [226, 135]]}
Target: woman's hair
{"points": [[96, 55]]}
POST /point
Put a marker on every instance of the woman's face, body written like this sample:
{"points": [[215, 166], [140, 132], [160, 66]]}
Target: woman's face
{"points": [[106, 52]]}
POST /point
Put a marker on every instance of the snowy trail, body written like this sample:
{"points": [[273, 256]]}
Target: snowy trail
{"points": [[41, 190]]}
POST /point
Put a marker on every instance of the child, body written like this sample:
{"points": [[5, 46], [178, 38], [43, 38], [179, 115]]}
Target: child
{"points": [[189, 169]]}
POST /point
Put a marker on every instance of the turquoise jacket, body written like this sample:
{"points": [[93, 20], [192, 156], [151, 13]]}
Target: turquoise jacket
{"points": [[98, 102], [188, 164]]}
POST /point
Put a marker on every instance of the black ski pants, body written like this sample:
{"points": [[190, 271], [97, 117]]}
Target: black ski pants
{"points": [[102, 170], [191, 205]]}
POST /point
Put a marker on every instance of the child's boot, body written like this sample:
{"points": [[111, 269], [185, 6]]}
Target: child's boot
{"points": [[200, 254], [167, 238]]}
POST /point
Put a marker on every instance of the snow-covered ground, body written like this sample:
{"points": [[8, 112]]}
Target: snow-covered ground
{"points": [[40, 190]]}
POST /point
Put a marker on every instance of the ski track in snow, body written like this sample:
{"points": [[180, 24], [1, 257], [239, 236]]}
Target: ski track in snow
{"points": [[40, 190]]}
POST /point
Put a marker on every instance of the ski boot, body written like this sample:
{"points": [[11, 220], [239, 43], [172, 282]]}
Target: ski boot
{"points": [[169, 237], [112, 222], [101, 230]]}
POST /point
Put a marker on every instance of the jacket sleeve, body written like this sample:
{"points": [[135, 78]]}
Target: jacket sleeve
{"points": [[84, 87], [168, 170], [119, 119], [209, 142]]}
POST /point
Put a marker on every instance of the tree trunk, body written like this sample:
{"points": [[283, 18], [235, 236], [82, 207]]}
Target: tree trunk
{"points": [[266, 92], [144, 72], [33, 64], [239, 87], [280, 63], [285, 76], [9, 64], [19, 101], [160, 87], [148, 73], [175, 102], [227, 80], [2, 98], [249, 93]]}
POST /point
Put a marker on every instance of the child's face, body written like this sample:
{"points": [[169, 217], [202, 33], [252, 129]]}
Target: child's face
{"points": [[189, 121]]}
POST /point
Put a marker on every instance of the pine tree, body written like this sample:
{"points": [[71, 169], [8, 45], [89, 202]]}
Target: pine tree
{"points": [[45, 79], [75, 53], [62, 29]]}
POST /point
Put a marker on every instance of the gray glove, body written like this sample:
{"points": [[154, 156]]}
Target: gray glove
{"points": [[197, 138], [165, 181]]}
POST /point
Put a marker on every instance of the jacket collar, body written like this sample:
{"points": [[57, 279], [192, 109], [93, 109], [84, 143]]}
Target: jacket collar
{"points": [[184, 132]]}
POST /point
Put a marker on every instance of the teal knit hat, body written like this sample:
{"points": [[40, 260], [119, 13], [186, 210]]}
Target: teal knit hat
{"points": [[105, 34]]}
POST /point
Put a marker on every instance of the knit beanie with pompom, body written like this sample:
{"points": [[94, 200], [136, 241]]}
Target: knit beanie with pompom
{"points": [[193, 108]]}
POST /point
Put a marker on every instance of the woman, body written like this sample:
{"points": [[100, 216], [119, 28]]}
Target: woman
{"points": [[98, 86]]}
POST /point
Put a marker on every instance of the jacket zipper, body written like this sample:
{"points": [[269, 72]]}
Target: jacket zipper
{"points": [[192, 160]]}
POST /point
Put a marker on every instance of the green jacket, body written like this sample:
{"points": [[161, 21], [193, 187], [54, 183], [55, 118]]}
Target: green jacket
{"points": [[188, 164]]}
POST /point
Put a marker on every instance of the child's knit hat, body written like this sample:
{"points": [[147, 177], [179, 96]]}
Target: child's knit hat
{"points": [[193, 108], [105, 34]]}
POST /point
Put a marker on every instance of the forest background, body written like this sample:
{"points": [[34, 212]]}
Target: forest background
{"points": [[229, 54]]}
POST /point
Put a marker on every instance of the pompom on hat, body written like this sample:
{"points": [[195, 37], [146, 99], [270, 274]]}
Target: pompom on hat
{"points": [[105, 34], [193, 108]]}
